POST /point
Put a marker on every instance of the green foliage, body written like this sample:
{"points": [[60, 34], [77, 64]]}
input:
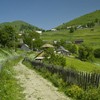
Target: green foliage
{"points": [[28, 39], [37, 43], [75, 92], [79, 94], [91, 94], [7, 36], [73, 48], [71, 30], [54, 59], [86, 53], [97, 53], [90, 24]]}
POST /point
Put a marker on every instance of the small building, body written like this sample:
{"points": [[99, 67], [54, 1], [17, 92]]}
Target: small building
{"points": [[69, 27], [25, 47], [39, 56], [40, 32], [63, 51], [53, 29], [78, 41], [47, 46]]}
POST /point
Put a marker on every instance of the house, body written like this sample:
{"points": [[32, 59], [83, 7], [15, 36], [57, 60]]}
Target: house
{"points": [[40, 32], [78, 41], [69, 27], [47, 46], [53, 29], [25, 47], [63, 51], [39, 56]]}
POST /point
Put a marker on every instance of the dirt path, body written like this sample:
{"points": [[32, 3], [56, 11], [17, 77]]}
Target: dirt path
{"points": [[36, 87]]}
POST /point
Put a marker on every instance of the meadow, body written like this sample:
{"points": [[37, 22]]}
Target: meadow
{"points": [[91, 37], [79, 65]]}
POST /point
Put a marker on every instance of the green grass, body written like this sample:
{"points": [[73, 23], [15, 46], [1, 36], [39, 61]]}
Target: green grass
{"points": [[9, 87], [81, 66], [89, 37]]}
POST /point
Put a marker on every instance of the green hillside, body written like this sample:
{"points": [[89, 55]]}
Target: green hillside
{"points": [[89, 37], [82, 20], [20, 25]]}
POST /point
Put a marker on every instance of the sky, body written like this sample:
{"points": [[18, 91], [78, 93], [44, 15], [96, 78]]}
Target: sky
{"points": [[45, 14]]}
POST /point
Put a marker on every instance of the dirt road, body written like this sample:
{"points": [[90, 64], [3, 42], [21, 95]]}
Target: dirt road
{"points": [[35, 86]]}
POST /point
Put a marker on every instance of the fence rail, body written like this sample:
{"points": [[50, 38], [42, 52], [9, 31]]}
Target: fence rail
{"points": [[82, 79]]}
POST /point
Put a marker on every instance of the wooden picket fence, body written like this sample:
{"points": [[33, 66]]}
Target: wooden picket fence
{"points": [[70, 76]]}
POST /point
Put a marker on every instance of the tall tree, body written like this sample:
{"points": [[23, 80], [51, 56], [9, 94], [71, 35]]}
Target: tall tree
{"points": [[7, 36]]}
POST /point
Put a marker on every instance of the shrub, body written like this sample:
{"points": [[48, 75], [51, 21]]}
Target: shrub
{"points": [[91, 94], [97, 53], [54, 59], [75, 92], [86, 53]]}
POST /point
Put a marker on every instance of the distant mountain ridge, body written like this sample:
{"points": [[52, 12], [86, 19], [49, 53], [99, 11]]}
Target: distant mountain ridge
{"points": [[82, 20], [20, 25]]}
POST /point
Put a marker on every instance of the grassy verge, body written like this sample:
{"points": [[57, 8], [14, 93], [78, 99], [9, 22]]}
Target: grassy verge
{"points": [[9, 88], [73, 91], [81, 66]]}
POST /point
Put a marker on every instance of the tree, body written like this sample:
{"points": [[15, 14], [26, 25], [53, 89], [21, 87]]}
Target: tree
{"points": [[28, 39], [97, 53], [71, 30], [54, 59], [85, 53], [90, 24], [37, 43], [8, 36]]}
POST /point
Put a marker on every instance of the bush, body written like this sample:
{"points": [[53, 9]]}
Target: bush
{"points": [[86, 53], [75, 92], [91, 94], [97, 53], [54, 59]]}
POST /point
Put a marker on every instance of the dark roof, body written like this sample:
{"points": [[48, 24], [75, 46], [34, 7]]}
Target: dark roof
{"points": [[78, 41]]}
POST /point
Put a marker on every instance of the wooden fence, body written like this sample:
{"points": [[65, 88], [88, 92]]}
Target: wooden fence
{"points": [[82, 79]]}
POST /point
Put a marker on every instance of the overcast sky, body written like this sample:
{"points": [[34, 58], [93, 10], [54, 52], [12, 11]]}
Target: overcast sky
{"points": [[45, 14]]}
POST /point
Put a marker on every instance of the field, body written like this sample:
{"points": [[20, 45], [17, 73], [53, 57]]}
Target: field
{"points": [[81, 66], [89, 37]]}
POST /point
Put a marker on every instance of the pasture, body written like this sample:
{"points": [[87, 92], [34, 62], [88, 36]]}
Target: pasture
{"points": [[91, 37]]}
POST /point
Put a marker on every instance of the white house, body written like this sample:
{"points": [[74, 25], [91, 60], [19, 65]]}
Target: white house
{"points": [[53, 29], [40, 32]]}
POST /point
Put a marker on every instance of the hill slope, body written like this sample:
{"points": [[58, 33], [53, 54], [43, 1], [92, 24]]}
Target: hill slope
{"points": [[20, 25], [82, 20]]}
